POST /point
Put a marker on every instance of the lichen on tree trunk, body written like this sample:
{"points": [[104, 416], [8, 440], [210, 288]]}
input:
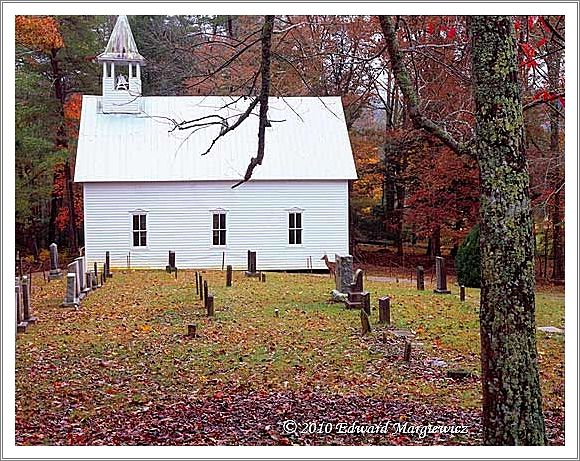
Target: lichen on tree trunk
{"points": [[512, 401]]}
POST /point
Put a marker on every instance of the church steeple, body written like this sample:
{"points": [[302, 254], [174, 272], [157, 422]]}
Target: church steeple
{"points": [[121, 71]]}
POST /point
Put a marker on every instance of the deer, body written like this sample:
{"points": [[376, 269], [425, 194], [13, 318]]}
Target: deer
{"points": [[331, 266]]}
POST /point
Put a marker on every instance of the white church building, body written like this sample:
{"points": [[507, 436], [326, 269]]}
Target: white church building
{"points": [[149, 188]]}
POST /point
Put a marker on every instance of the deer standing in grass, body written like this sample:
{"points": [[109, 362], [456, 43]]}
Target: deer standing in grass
{"points": [[331, 266]]}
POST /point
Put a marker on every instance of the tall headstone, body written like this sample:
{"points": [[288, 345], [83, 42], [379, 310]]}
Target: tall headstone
{"points": [[252, 265], [21, 324], [26, 308], [71, 298], [209, 305], [55, 272], [385, 310], [82, 263], [343, 274], [357, 285], [441, 276], [462, 293], [420, 278], [229, 276], [72, 269], [171, 263], [108, 273]]}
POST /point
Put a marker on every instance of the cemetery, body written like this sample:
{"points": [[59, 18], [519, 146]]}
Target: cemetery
{"points": [[222, 357]]}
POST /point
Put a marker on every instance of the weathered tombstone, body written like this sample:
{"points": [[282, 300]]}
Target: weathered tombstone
{"points": [[365, 322], [366, 302], [55, 272], [72, 269], [196, 283], [85, 287], [26, 308], [385, 310], [71, 298], [276, 312], [343, 273], [358, 285], [462, 293], [21, 324], [229, 276], [205, 293], [441, 276], [108, 265], [420, 278], [192, 330], [209, 305], [407, 353], [252, 265], [200, 287], [89, 280], [263, 277], [96, 276], [170, 262]]}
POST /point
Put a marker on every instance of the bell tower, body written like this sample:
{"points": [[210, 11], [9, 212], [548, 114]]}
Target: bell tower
{"points": [[121, 71]]}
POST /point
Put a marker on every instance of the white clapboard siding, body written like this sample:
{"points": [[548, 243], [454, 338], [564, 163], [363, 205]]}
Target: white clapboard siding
{"points": [[179, 219]]}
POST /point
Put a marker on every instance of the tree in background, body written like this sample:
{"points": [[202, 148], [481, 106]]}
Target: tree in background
{"points": [[53, 62]]}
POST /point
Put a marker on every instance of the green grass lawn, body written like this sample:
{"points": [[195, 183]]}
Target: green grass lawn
{"points": [[126, 346]]}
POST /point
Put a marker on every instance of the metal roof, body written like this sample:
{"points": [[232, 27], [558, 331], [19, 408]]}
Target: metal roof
{"points": [[121, 46], [308, 139]]}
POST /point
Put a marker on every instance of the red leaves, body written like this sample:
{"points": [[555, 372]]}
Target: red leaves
{"points": [[451, 33]]}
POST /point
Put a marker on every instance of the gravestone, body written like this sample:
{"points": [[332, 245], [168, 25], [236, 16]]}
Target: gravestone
{"points": [[171, 263], [196, 283], [252, 265], [200, 287], [107, 268], [407, 351], [366, 302], [72, 269], [343, 273], [71, 298], [21, 324], [55, 272], [385, 310], [85, 282], [357, 285], [26, 308], [441, 276], [420, 278], [209, 305], [205, 293], [462, 293], [89, 280], [229, 276]]}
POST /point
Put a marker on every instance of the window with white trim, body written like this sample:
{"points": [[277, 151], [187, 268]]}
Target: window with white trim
{"points": [[219, 228], [139, 230], [295, 228]]}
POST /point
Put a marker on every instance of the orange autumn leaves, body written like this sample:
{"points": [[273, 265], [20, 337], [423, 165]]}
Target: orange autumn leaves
{"points": [[39, 33]]}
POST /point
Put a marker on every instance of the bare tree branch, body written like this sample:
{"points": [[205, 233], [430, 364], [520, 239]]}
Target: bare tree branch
{"points": [[263, 99], [410, 96]]}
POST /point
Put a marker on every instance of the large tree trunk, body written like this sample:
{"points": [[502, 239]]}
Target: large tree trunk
{"points": [[512, 400]]}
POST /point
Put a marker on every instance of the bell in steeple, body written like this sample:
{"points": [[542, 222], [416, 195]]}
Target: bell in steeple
{"points": [[121, 71]]}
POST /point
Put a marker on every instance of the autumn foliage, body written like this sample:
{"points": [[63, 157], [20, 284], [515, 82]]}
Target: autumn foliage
{"points": [[40, 33]]}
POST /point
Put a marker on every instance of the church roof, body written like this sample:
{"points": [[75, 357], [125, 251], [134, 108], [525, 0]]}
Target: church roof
{"points": [[121, 46], [308, 140]]}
